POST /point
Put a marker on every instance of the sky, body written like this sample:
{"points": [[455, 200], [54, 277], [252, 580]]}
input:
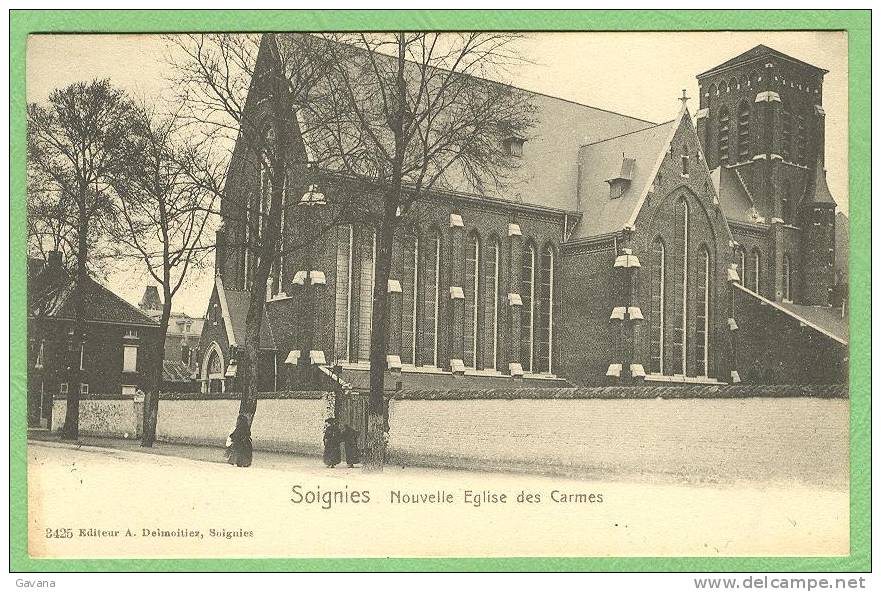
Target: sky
{"points": [[638, 74]]}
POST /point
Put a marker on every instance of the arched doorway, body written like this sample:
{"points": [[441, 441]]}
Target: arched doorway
{"points": [[212, 370]]}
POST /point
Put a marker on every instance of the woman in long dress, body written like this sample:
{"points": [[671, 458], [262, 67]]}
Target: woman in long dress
{"points": [[240, 451], [331, 442]]}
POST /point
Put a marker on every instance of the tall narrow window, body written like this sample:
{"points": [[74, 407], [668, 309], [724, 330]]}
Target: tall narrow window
{"points": [[786, 135], [755, 271], [680, 328], [282, 241], [685, 159], [724, 130], [787, 279], [527, 312], [431, 301], [702, 319], [786, 203], [410, 289], [545, 322], [801, 141], [658, 271], [491, 283], [472, 302], [365, 294], [741, 266], [345, 238], [743, 132]]}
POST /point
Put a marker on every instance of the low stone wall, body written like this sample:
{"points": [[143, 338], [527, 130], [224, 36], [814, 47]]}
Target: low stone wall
{"points": [[116, 416], [291, 422], [776, 439], [718, 434]]}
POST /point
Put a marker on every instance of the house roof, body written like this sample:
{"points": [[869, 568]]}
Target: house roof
{"points": [[756, 53], [603, 160], [737, 204], [823, 319], [176, 371], [234, 307], [52, 291], [547, 172]]}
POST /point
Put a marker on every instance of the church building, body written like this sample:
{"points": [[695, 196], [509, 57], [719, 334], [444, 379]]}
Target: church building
{"points": [[697, 250]]}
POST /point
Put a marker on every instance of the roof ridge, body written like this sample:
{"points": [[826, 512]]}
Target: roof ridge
{"points": [[651, 127], [122, 300]]}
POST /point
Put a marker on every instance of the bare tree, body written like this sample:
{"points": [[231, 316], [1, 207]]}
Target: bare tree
{"points": [[411, 114], [215, 76], [74, 149], [161, 219]]}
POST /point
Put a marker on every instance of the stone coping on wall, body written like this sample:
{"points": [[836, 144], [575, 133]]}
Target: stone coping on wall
{"points": [[692, 391], [228, 396], [834, 391]]}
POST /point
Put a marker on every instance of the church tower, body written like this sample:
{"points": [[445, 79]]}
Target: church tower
{"points": [[761, 114], [817, 220]]}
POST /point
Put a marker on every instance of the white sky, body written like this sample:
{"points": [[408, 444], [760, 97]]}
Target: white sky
{"points": [[639, 74]]}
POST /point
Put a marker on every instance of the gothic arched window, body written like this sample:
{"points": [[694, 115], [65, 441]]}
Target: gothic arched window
{"points": [[431, 298], [365, 293], [473, 300], [410, 298], [755, 271], [343, 298], [743, 150], [545, 322], [658, 272], [702, 320], [527, 312], [787, 279], [724, 135], [493, 254], [680, 329]]}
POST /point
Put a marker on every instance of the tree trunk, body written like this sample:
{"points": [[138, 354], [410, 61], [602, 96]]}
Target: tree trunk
{"points": [[71, 429], [151, 401], [375, 453]]}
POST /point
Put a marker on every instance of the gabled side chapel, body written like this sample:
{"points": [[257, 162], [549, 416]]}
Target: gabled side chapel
{"points": [[623, 251]]}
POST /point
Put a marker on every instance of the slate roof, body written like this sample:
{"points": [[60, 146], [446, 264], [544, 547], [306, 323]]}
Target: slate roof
{"points": [[176, 371], [824, 319], [235, 312], [756, 53], [547, 173], [736, 202], [51, 294], [602, 160]]}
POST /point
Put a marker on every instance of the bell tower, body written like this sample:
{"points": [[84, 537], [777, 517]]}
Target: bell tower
{"points": [[761, 114]]}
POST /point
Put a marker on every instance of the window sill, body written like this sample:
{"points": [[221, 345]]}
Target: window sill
{"points": [[279, 297], [679, 378]]}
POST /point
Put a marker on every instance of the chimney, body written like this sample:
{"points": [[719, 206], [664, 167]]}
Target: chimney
{"points": [[150, 301], [53, 261]]}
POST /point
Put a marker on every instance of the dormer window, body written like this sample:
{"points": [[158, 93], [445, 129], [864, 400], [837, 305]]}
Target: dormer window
{"points": [[619, 183], [513, 146]]}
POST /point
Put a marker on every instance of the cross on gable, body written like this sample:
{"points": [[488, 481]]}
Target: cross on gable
{"points": [[684, 98]]}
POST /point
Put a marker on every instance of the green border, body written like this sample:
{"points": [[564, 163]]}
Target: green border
{"points": [[858, 25]]}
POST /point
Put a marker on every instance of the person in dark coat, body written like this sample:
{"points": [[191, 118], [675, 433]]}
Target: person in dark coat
{"points": [[332, 438], [240, 450], [349, 436]]}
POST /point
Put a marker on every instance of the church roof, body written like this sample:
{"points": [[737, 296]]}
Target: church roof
{"points": [[603, 160], [757, 53], [547, 172], [234, 308], [821, 193], [736, 202], [823, 319]]}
